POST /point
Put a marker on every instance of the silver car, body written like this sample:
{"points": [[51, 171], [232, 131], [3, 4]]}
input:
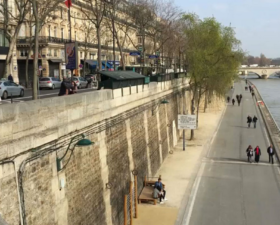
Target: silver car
{"points": [[81, 82], [8, 89], [49, 82]]}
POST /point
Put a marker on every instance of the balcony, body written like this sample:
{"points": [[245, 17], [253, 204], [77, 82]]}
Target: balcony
{"points": [[45, 40]]}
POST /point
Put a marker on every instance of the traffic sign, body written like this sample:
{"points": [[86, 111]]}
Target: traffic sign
{"points": [[140, 48], [187, 122]]}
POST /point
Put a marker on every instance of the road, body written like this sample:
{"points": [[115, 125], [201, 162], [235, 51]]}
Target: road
{"points": [[45, 93], [229, 190]]}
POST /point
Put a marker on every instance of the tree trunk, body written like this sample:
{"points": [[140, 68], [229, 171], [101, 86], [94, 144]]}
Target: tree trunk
{"points": [[114, 43], [205, 101], [27, 65], [99, 48], [121, 53], [84, 67], [36, 51], [193, 110], [7, 68]]}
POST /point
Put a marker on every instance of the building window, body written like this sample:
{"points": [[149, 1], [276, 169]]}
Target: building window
{"points": [[50, 52], [54, 32], [81, 55], [55, 52], [4, 42], [62, 33], [61, 12]]}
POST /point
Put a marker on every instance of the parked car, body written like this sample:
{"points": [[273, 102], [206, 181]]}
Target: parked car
{"points": [[91, 76], [8, 89], [49, 82], [80, 81]]}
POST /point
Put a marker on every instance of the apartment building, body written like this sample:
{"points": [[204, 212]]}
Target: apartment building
{"points": [[56, 32]]}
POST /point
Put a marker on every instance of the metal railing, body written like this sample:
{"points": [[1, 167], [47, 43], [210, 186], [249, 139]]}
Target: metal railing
{"points": [[270, 123], [49, 39]]}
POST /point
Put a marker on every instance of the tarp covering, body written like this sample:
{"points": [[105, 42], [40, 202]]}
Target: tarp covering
{"points": [[122, 75]]}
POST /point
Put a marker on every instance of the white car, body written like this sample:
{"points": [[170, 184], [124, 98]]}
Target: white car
{"points": [[9, 89]]}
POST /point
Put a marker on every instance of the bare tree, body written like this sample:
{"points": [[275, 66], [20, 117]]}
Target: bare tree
{"points": [[14, 16], [119, 27], [89, 38], [94, 11], [41, 11]]}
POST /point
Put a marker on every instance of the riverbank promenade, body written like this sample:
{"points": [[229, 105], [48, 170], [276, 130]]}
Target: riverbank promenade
{"points": [[212, 182]]}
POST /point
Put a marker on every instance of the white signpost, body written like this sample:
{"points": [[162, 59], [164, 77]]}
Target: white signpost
{"points": [[187, 122]]}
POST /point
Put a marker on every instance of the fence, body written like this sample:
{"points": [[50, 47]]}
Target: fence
{"points": [[130, 203]]}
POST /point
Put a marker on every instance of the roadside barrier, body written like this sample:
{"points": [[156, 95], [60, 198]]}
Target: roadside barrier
{"points": [[270, 123]]}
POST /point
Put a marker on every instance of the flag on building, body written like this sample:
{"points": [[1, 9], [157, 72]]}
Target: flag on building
{"points": [[68, 3]]}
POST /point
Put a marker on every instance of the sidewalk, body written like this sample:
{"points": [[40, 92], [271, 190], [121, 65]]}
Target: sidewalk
{"points": [[179, 171]]}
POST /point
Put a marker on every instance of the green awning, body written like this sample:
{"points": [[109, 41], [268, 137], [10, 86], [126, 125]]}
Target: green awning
{"points": [[122, 75]]}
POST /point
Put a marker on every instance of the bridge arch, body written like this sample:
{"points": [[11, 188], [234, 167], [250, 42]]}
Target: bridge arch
{"points": [[262, 72]]}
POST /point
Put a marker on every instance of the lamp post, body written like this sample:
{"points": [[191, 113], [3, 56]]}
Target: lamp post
{"points": [[82, 142]]}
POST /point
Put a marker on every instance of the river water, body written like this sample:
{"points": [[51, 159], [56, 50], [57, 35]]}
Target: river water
{"points": [[269, 89]]}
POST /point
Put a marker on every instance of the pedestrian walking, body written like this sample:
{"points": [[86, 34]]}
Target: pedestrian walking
{"points": [[10, 78], [253, 93], [238, 101], [246, 81], [250, 153], [246, 88], [249, 120], [228, 99], [257, 154], [271, 152], [240, 96], [255, 119], [237, 97], [233, 101], [64, 88], [250, 88]]}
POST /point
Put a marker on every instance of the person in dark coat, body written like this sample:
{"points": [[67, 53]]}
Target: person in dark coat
{"points": [[240, 96], [238, 101], [257, 154], [249, 120], [228, 98], [233, 101], [249, 152], [271, 152], [250, 88], [255, 119], [237, 97], [253, 93], [10, 78], [246, 81]]}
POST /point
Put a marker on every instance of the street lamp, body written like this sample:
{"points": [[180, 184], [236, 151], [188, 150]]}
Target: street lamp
{"points": [[154, 109], [81, 143]]}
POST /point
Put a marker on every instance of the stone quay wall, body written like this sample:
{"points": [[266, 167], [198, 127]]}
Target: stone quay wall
{"points": [[131, 130]]}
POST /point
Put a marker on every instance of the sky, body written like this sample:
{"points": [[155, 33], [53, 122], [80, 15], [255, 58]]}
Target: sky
{"points": [[256, 22]]}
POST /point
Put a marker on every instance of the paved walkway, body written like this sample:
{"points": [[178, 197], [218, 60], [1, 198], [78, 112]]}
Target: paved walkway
{"points": [[179, 172], [211, 183], [229, 190]]}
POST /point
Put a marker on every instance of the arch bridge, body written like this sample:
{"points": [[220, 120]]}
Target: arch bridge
{"points": [[262, 72]]}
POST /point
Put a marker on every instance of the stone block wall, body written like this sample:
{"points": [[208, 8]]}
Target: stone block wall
{"points": [[91, 189], [84, 187], [139, 146], [9, 205], [37, 189], [118, 165]]}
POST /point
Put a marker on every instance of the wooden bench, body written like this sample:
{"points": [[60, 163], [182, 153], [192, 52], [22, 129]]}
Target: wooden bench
{"points": [[147, 195], [150, 182]]}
